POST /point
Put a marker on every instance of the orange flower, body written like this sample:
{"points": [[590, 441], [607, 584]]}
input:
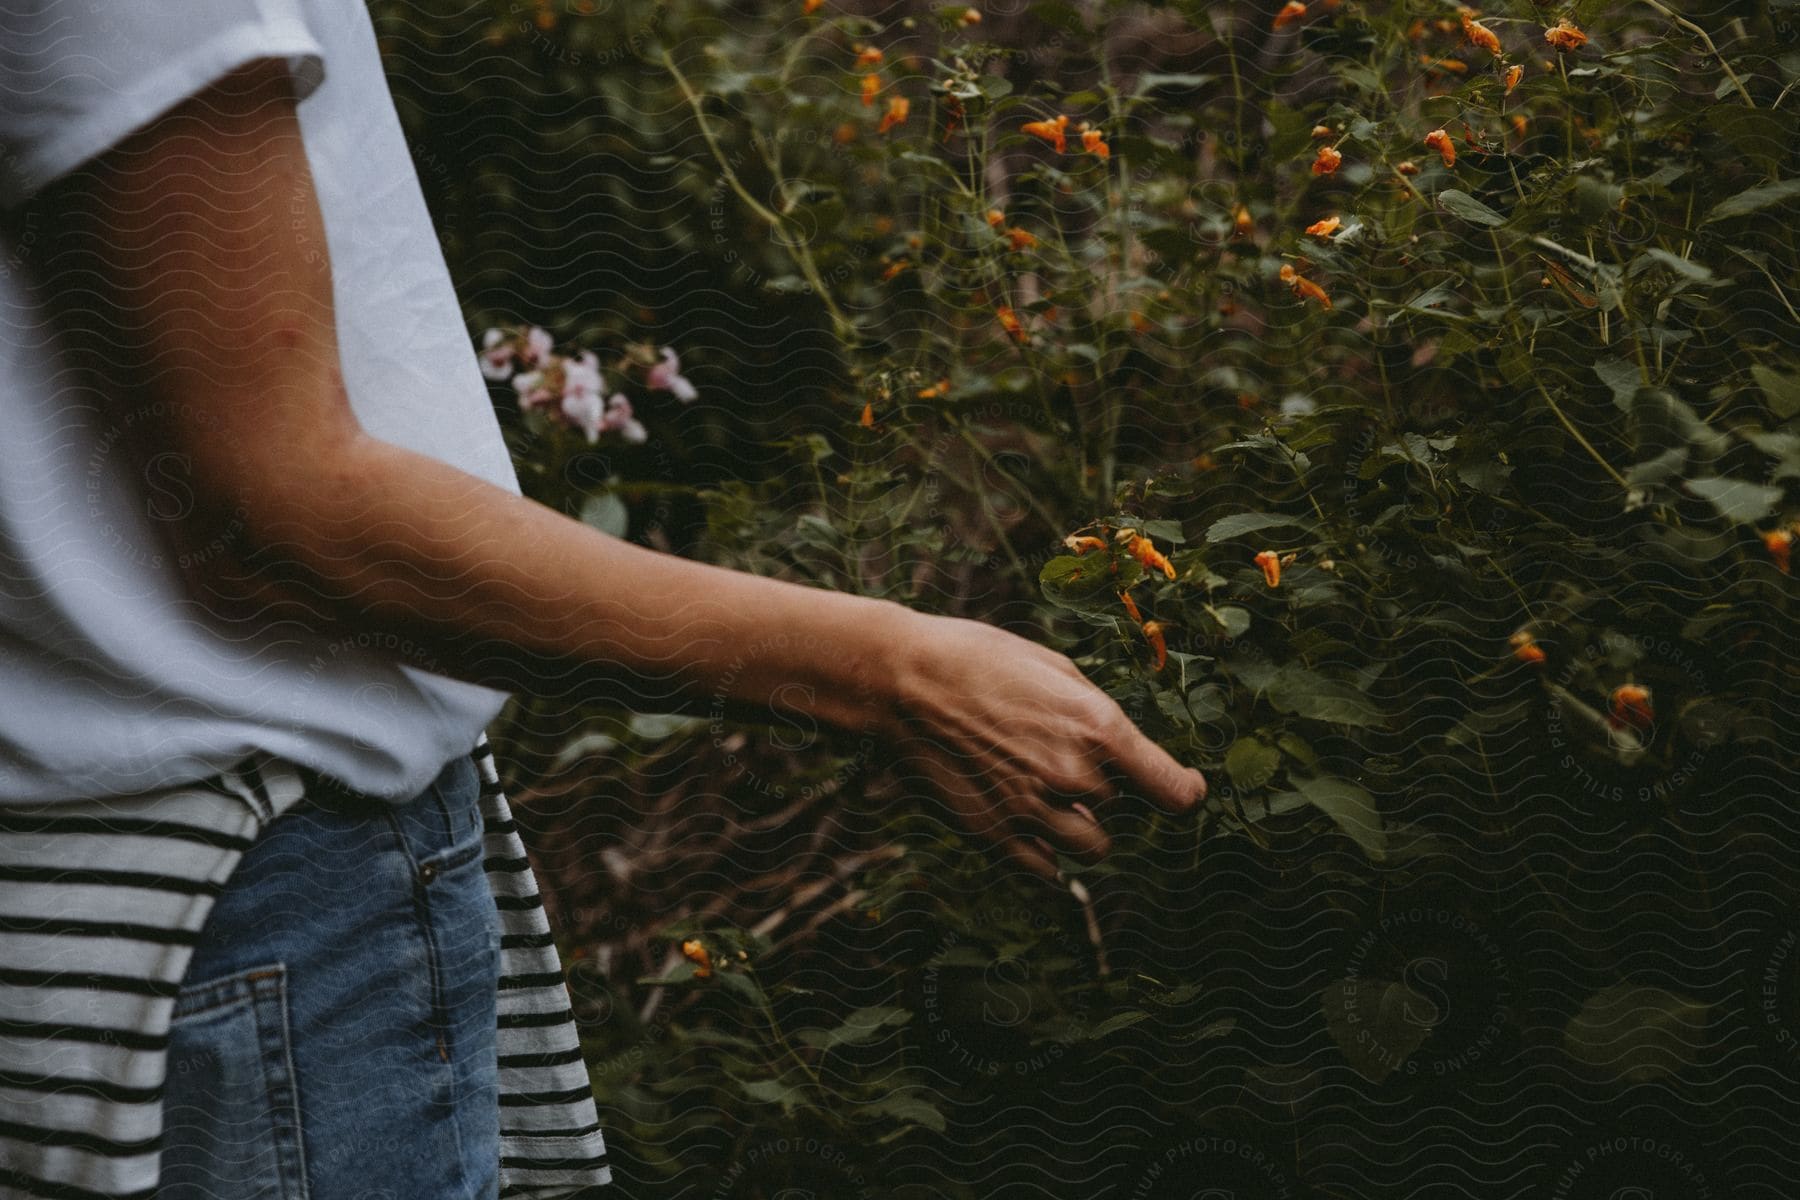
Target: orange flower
{"points": [[1303, 286], [1050, 131], [1416, 30], [867, 420], [810, 6], [936, 391], [1780, 544], [871, 83], [1131, 607], [1290, 12], [845, 133], [953, 115], [970, 16], [1631, 706], [867, 56], [994, 217], [1517, 121], [1270, 562], [1090, 141], [896, 113], [1021, 238], [1454, 65], [695, 951], [1407, 167], [1009, 321], [1153, 633], [1525, 647], [899, 265], [1479, 35], [1081, 544], [1327, 161], [1324, 228], [1245, 224], [1513, 74], [1140, 322], [1145, 551], [1565, 36], [1440, 141]]}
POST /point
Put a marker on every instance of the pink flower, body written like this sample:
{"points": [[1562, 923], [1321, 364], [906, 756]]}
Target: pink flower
{"points": [[496, 355], [666, 375], [537, 347], [619, 418], [534, 391], [581, 396], [587, 412]]}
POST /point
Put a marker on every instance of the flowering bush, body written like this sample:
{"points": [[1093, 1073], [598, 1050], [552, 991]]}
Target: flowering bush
{"points": [[1392, 405]]}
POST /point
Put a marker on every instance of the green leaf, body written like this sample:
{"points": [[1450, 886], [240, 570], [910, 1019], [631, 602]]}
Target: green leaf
{"points": [[1467, 207], [1150, 81], [1233, 620], [1622, 377], [1087, 583], [1377, 1023], [1350, 806], [1115, 1023], [1692, 271], [1754, 200], [1206, 703], [1305, 693], [1782, 391], [1173, 707], [908, 1108], [1163, 531], [1296, 748], [1240, 524], [1251, 762], [1737, 500], [862, 1025], [772, 1091], [605, 512], [1632, 1033]]}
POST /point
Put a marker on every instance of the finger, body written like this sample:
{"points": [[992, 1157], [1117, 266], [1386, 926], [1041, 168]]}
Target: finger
{"points": [[1032, 854], [1080, 835], [982, 810], [1163, 781], [1083, 780]]}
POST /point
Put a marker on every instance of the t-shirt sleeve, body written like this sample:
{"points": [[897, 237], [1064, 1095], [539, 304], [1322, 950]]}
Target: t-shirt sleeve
{"points": [[79, 76]]}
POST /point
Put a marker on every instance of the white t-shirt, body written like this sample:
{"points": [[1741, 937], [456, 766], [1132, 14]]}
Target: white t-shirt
{"points": [[110, 680]]}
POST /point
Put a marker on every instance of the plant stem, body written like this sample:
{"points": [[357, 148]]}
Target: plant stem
{"points": [[845, 328], [1702, 35]]}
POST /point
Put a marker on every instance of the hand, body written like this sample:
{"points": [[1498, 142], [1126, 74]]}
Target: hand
{"points": [[1010, 734]]}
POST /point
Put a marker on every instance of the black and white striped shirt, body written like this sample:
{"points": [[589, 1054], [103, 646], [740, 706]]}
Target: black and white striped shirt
{"points": [[101, 904]]}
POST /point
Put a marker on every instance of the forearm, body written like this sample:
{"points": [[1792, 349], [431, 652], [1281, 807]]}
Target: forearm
{"points": [[500, 590]]}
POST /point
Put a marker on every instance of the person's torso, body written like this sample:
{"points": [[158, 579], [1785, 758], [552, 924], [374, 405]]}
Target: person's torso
{"points": [[110, 681]]}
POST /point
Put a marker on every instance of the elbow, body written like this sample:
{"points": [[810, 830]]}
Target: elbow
{"points": [[277, 540]]}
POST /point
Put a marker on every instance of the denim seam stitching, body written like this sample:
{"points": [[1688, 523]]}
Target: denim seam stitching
{"points": [[290, 1159]]}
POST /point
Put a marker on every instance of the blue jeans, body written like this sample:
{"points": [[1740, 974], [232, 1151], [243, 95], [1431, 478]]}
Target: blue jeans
{"points": [[334, 1034]]}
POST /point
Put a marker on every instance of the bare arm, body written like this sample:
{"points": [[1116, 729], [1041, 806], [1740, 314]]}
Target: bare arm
{"points": [[205, 230]]}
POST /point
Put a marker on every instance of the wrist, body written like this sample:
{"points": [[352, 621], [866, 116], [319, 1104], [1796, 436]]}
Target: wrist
{"points": [[896, 671]]}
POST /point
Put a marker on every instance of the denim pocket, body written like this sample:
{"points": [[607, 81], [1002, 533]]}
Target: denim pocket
{"points": [[454, 799], [231, 1117]]}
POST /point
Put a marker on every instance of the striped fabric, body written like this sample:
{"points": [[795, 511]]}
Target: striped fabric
{"points": [[101, 904]]}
